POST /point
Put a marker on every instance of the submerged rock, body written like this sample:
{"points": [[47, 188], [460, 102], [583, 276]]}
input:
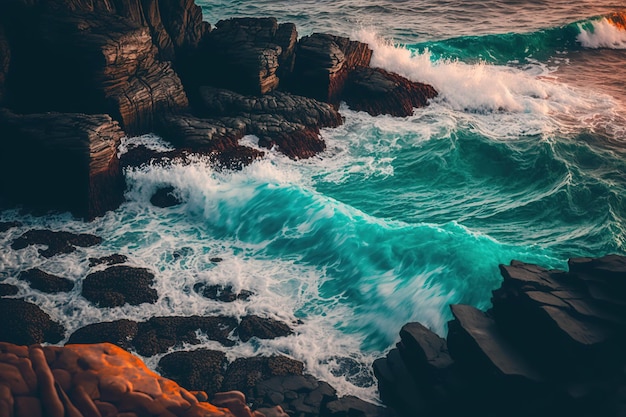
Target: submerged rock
{"points": [[218, 292], [57, 242], [165, 197], [114, 259], [45, 282]]}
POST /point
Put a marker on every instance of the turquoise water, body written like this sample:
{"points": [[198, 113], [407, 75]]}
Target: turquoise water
{"points": [[520, 157]]}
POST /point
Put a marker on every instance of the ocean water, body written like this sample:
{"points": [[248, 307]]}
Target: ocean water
{"points": [[521, 156]]}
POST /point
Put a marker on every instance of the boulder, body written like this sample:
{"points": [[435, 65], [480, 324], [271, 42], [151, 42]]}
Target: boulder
{"points": [[219, 292], [243, 374], [64, 161], [25, 323], [114, 259], [56, 241], [323, 63], [262, 328], [46, 282], [165, 197], [8, 289], [377, 92], [196, 370], [119, 285], [246, 54], [119, 332]]}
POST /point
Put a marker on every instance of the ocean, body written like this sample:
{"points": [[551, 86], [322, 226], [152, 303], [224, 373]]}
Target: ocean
{"points": [[521, 156]]}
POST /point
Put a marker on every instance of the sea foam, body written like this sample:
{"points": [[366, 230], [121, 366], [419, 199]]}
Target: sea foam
{"points": [[602, 34]]}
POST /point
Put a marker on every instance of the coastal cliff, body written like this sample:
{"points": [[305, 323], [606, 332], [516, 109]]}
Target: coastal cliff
{"points": [[133, 67]]}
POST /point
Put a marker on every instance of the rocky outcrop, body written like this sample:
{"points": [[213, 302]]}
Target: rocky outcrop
{"points": [[24, 323], [56, 241], [246, 54], [114, 259], [377, 92], [89, 380], [323, 63], [63, 161], [552, 344], [262, 328], [8, 289], [119, 285], [224, 293]]}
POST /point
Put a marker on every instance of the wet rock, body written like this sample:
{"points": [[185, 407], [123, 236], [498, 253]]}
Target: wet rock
{"points": [[24, 323], [263, 328], [119, 285], [4, 226], [323, 63], [196, 370], [114, 259], [223, 293], [353, 406], [8, 289], [243, 374], [165, 197], [119, 332], [45, 282], [57, 242], [159, 334], [377, 92]]}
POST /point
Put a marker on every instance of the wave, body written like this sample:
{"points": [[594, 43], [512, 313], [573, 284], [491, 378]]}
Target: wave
{"points": [[608, 32]]}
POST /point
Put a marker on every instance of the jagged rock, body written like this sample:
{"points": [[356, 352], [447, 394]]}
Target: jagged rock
{"points": [[119, 332], [223, 293], [61, 161], [90, 380], [114, 259], [8, 289], [105, 64], [57, 242], [323, 63], [196, 370], [165, 197], [118, 285], [263, 328], [45, 282], [377, 92], [24, 323], [4, 226], [159, 334], [246, 54]]}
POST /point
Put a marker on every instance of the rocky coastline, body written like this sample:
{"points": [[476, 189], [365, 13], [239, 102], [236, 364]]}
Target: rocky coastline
{"points": [[76, 76]]}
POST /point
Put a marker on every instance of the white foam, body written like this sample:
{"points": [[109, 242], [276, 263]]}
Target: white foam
{"points": [[150, 141], [530, 97], [604, 34]]}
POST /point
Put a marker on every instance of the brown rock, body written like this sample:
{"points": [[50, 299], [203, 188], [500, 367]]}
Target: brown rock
{"points": [[47, 391], [27, 407], [377, 92]]}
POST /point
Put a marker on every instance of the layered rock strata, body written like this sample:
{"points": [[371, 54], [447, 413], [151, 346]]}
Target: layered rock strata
{"points": [[553, 344]]}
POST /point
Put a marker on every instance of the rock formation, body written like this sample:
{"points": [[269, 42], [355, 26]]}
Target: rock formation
{"points": [[552, 344]]}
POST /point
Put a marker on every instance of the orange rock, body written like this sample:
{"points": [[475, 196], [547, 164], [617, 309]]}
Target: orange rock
{"points": [[84, 403], [63, 378], [88, 381], [27, 407], [70, 409], [140, 402], [200, 395], [113, 387], [21, 351], [47, 391], [6, 401], [26, 369], [11, 376], [106, 409]]}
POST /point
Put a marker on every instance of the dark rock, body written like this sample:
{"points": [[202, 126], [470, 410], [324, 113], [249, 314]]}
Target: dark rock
{"points": [[8, 289], [4, 226], [263, 328], [45, 282], [61, 161], [221, 292], [323, 63], [350, 406], [218, 260], [5, 60], [114, 259], [24, 323], [57, 242], [377, 92], [244, 373], [118, 285], [246, 54], [165, 197], [119, 332], [197, 370], [159, 334]]}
